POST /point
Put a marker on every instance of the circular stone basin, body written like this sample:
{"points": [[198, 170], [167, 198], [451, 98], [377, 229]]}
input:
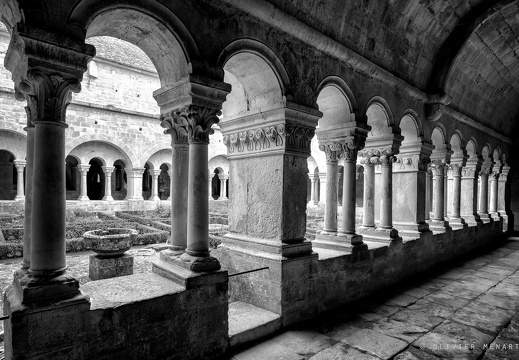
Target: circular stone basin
{"points": [[111, 242]]}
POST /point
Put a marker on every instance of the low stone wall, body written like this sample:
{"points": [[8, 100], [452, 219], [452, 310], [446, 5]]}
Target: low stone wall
{"points": [[300, 287]]}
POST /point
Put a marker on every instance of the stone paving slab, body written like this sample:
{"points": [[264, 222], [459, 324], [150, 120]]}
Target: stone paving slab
{"points": [[341, 352], [375, 343]]}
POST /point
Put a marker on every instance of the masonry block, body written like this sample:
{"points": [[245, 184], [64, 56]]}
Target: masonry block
{"points": [[105, 268]]}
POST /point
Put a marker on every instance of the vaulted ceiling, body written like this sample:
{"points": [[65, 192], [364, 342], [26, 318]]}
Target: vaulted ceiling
{"points": [[468, 49]]}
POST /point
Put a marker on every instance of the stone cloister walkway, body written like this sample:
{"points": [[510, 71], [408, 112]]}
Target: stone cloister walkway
{"points": [[466, 310]]}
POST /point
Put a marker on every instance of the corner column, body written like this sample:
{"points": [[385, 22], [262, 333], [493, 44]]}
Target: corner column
{"points": [[108, 170], [20, 166], [83, 169], [134, 176]]}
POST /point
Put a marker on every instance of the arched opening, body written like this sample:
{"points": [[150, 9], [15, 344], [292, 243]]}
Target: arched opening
{"points": [[164, 182], [95, 180], [119, 181], [216, 183], [72, 178], [8, 176], [147, 181]]}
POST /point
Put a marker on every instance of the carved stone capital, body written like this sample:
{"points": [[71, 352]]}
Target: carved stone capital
{"points": [[176, 126], [198, 121], [412, 162], [293, 137], [456, 169], [493, 176], [438, 166]]}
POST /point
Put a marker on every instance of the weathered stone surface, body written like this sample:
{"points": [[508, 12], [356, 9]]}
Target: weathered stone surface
{"points": [[375, 343], [399, 329], [268, 350], [418, 318], [104, 268], [248, 322], [342, 351], [304, 342]]}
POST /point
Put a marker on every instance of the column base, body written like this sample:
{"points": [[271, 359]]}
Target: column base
{"points": [[35, 290], [341, 242], [504, 217], [179, 271], [457, 223], [386, 236], [288, 250], [328, 232], [439, 225], [495, 216], [83, 198], [485, 218], [472, 220], [107, 198], [154, 198], [412, 230], [19, 198]]}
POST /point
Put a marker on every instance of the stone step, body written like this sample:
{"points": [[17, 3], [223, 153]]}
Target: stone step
{"points": [[248, 323]]}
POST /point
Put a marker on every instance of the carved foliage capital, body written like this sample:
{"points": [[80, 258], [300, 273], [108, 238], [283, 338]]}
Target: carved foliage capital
{"points": [[47, 94], [198, 120], [456, 169], [177, 126]]}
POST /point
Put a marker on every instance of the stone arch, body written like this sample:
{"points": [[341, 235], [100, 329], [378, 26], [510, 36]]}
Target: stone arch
{"points": [[379, 117], [312, 164], [149, 153], [456, 144], [263, 51], [106, 151], [496, 154], [409, 128], [257, 83], [472, 148], [14, 142], [159, 157], [335, 105], [340, 84], [219, 161], [112, 140], [438, 137], [172, 50]]}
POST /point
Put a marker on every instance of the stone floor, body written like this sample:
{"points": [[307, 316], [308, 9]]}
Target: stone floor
{"points": [[468, 310]]}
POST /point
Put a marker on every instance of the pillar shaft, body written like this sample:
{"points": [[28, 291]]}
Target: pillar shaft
{"points": [[20, 165], [348, 197], [483, 194], [179, 195], [439, 193], [492, 207], [386, 198], [428, 195], [312, 188], [322, 188], [469, 193], [83, 169], [456, 192], [330, 210], [108, 170], [368, 216], [48, 210], [27, 234], [155, 185]]}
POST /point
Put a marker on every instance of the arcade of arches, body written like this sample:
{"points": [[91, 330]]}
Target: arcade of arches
{"points": [[405, 135]]}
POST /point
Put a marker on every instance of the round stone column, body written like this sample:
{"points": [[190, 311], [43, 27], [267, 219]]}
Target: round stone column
{"points": [[155, 185], [312, 188], [483, 196], [368, 213], [83, 169], [348, 197], [492, 206], [330, 210], [29, 161], [455, 217], [439, 196], [223, 188], [49, 206], [428, 195], [322, 188], [20, 166], [107, 170], [386, 194]]}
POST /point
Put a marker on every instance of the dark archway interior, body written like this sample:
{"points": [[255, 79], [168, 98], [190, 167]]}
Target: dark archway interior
{"points": [[95, 180]]}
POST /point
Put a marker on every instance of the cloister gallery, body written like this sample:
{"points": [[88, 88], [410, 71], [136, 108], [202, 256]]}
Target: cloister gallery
{"points": [[401, 114]]}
